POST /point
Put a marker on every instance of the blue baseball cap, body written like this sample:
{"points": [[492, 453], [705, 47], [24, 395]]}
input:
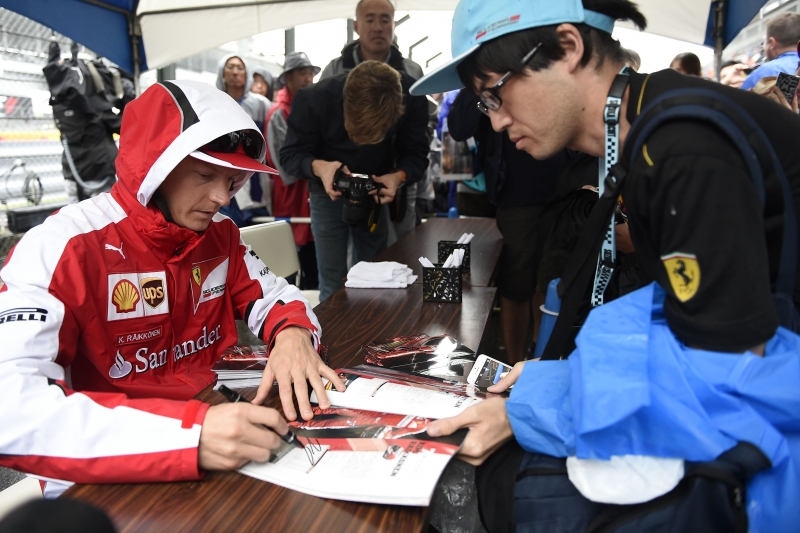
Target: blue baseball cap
{"points": [[478, 21]]}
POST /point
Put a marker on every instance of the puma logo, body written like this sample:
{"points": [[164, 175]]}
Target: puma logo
{"points": [[114, 248]]}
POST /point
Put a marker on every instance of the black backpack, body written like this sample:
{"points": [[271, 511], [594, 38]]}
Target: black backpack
{"points": [[748, 137], [532, 493]]}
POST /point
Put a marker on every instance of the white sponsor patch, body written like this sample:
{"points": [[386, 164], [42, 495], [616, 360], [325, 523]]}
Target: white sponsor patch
{"points": [[126, 298], [208, 280]]}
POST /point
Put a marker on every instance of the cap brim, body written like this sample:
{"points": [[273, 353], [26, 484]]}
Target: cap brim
{"points": [[282, 77], [233, 160], [442, 79]]}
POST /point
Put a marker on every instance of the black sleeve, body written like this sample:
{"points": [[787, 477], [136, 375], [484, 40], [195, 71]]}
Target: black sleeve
{"points": [[697, 224], [464, 117], [302, 136], [412, 143]]}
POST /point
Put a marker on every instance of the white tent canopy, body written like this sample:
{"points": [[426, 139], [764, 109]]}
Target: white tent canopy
{"points": [[175, 29]]}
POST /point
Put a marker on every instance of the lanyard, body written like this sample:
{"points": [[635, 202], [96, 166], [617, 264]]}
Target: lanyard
{"points": [[608, 251]]}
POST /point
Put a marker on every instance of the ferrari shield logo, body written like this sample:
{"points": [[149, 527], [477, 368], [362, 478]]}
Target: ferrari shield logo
{"points": [[196, 275], [684, 274]]}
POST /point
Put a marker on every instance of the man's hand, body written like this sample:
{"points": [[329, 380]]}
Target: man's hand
{"points": [[509, 379], [231, 435], [776, 95], [390, 182], [294, 360], [488, 425], [326, 170]]}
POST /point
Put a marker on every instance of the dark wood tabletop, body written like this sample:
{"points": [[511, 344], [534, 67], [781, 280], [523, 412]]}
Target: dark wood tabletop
{"points": [[229, 501], [423, 242]]}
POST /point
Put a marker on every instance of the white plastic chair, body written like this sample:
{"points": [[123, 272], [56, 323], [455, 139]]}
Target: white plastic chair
{"points": [[274, 244]]}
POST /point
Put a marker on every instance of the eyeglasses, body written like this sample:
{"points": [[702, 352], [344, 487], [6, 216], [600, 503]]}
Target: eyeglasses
{"points": [[251, 142], [490, 96]]}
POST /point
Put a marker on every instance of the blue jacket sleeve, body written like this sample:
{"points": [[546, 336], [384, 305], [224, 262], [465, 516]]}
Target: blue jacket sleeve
{"points": [[540, 409]]}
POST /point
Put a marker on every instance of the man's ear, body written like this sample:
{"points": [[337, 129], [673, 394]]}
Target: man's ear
{"points": [[771, 43], [355, 28], [571, 41]]}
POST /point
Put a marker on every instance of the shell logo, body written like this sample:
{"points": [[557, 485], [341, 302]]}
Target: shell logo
{"points": [[125, 296]]}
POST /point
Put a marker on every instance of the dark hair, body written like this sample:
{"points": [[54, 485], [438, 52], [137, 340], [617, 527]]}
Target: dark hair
{"points": [[689, 63], [505, 53], [373, 102], [729, 63], [631, 58], [785, 29]]}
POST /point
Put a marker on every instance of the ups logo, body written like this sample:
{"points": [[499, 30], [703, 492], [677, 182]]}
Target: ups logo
{"points": [[153, 291]]}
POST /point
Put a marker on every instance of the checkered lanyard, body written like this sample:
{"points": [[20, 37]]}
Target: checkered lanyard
{"points": [[608, 252]]}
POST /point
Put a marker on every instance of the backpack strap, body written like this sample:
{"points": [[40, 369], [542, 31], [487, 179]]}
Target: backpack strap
{"points": [[761, 160], [750, 140]]}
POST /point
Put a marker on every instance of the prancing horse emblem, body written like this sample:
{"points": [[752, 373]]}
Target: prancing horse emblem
{"points": [[683, 272], [196, 275]]}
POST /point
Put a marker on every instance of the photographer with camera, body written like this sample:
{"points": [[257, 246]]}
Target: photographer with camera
{"points": [[363, 122]]}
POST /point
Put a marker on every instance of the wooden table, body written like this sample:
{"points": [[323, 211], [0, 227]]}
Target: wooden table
{"points": [[229, 501], [423, 241]]}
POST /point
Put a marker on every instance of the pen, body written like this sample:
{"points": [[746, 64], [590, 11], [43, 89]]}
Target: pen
{"points": [[233, 396]]}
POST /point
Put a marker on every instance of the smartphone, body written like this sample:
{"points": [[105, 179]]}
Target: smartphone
{"points": [[487, 371], [787, 83]]}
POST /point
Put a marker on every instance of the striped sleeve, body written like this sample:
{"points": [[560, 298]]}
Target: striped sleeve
{"points": [[266, 302]]}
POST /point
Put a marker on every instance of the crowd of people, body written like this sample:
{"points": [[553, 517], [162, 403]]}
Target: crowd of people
{"points": [[396, 158], [668, 198]]}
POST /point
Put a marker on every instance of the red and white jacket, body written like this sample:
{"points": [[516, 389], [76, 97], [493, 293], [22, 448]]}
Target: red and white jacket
{"points": [[111, 317]]}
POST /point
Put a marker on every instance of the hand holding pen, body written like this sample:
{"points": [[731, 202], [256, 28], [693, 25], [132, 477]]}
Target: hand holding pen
{"points": [[233, 434], [233, 396]]}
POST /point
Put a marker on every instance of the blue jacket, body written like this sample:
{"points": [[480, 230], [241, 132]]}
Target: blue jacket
{"points": [[631, 387], [786, 62]]}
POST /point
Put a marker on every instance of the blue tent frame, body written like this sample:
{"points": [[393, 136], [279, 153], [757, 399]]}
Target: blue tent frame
{"points": [[109, 28]]}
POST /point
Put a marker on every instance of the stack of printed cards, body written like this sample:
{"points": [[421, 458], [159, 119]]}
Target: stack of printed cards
{"points": [[241, 367]]}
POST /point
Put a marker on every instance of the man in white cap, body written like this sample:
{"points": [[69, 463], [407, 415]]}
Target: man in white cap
{"points": [[115, 309], [658, 376]]}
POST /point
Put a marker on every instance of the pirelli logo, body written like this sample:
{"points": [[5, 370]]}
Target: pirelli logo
{"points": [[23, 314]]}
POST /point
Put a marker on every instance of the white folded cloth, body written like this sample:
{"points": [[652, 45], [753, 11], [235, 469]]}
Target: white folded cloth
{"points": [[384, 271], [384, 275]]}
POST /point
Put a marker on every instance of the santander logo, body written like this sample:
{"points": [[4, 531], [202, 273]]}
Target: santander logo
{"points": [[120, 368]]}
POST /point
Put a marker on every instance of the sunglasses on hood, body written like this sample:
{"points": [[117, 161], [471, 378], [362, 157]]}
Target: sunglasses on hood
{"points": [[251, 143]]}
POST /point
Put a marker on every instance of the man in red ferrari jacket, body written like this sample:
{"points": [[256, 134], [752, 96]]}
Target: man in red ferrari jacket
{"points": [[114, 310]]}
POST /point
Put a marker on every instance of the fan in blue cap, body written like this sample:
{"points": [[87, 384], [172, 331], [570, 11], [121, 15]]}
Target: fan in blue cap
{"points": [[478, 21], [691, 368]]}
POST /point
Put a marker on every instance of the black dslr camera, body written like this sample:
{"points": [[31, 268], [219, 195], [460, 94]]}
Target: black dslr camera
{"points": [[359, 206]]}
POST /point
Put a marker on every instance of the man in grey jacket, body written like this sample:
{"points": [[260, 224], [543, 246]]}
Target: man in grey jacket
{"points": [[374, 24], [255, 198]]}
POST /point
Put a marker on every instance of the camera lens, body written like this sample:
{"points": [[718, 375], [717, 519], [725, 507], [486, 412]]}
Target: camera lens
{"points": [[354, 210]]}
